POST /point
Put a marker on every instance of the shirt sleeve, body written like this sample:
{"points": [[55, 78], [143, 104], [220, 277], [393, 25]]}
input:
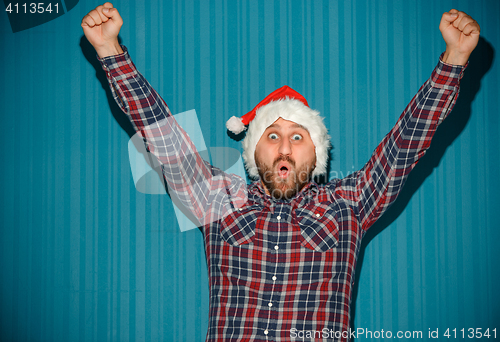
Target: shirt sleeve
{"points": [[375, 187], [203, 189]]}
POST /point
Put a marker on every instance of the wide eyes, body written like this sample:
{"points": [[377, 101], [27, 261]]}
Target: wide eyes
{"points": [[274, 136]]}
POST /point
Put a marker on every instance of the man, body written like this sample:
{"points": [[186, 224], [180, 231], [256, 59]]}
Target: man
{"points": [[281, 253]]}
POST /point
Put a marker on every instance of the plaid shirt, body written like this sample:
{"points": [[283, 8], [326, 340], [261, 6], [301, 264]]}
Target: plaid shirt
{"points": [[281, 270]]}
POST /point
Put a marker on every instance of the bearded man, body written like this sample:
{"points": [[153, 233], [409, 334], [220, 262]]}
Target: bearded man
{"points": [[281, 252]]}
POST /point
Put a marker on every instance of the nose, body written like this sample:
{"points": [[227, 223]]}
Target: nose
{"points": [[285, 147]]}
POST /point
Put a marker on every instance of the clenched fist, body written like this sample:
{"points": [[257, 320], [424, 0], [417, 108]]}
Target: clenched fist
{"points": [[461, 34], [101, 27]]}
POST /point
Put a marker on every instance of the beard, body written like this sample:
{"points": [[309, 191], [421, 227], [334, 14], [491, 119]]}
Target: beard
{"points": [[284, 188]]}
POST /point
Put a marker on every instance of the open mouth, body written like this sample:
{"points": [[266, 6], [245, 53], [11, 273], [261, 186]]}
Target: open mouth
{"points": [[283, 170]]}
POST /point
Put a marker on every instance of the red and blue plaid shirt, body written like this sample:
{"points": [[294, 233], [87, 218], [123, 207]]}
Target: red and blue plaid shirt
{"points": [[282, 269]]}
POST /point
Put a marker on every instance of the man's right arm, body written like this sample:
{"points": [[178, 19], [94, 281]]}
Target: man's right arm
{"points": [[198, 185]]}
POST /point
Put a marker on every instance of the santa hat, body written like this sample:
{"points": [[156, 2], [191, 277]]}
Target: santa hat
{"points": [[283, 103]]}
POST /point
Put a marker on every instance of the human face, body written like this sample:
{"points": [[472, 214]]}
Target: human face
{"points": [[285, 157]]}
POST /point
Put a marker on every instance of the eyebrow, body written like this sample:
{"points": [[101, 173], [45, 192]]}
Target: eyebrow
{"points": [[295, 125]]}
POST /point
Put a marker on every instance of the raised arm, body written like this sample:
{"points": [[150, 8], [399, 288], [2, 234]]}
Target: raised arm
{"points": [[375, 187], [203, 189]]}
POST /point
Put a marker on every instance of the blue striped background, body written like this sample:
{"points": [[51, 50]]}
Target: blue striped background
{"points": [[85, 257]]}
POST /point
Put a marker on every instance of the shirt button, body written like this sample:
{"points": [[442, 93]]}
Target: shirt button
{"points": [[274, 278], [270, 304], [279, 217], [276, 247], [318, 215], [266, 332]]}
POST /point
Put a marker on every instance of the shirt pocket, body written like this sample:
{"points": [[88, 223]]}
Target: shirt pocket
{"points": [[319, 227], [238, 228]]}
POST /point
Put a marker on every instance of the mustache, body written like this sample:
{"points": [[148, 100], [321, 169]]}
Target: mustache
{"points": [[284, 158]]}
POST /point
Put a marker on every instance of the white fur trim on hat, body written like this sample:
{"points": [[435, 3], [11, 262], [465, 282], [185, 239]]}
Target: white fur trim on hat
{"points": [[291, 110]]}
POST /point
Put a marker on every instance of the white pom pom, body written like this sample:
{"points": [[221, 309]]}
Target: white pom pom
{"points": [[235, 125]]}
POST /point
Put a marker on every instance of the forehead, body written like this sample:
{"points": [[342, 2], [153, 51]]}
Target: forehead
{"points": [[283, 124]]}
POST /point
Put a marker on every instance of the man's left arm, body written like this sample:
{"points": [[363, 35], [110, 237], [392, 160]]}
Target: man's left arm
{"points": [[374, 188]]}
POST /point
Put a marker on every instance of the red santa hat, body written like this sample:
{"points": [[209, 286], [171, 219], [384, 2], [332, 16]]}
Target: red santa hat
{"points": [[288, 104]]}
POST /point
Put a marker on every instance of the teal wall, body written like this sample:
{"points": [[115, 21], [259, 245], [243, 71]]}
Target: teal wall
{"points": [[84, 256]]}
